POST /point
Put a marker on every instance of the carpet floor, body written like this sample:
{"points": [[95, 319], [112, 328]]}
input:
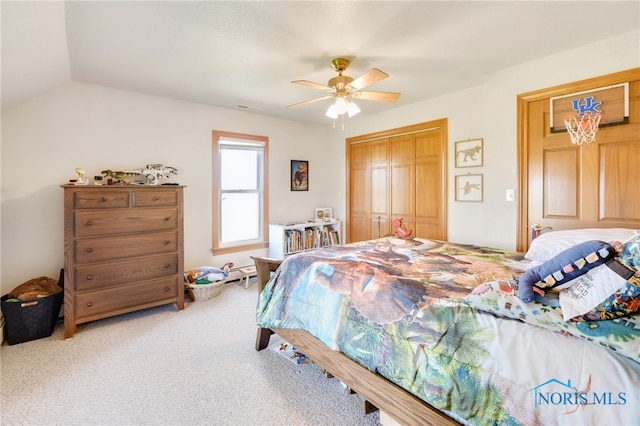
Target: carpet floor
{"points": [[161, 366]]}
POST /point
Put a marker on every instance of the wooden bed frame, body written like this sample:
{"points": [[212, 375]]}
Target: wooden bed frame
{"points": [[402, 406]]}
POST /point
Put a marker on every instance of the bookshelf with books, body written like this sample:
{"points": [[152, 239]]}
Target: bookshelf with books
{"points": [[288, 238]]}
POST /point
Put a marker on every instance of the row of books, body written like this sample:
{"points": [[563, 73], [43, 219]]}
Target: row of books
{"points": [[298, 240]]}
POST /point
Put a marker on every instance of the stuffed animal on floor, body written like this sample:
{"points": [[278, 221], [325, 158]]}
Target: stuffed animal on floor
{"points": [[192, 276], [564, 267], [35, 288]]}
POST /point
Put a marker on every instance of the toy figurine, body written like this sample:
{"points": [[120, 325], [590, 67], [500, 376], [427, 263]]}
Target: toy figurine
{"points": [[400, 230]]}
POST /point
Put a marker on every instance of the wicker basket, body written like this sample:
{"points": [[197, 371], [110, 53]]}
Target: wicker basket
{"points": [[205, 291]]}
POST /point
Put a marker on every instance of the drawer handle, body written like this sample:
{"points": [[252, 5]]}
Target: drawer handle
{"points": [[89, 304], [167, 265], [166, 289], [89, 250], [155, 198], [89, 222], [167, 218], [103, 199], [166, 242], [89, 277]]}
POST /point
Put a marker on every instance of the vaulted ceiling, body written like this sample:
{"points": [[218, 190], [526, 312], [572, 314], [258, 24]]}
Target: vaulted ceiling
{"points": [[244, 54]]}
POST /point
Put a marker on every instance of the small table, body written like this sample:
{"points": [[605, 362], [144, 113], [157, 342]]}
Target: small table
{"points": [[246, 273]]}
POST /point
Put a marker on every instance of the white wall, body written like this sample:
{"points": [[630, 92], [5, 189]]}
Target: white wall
{"points": [[489, 111], [79, 125], [96, 128]]}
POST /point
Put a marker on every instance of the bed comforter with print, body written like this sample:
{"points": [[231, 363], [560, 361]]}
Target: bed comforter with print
{"points": [[441, 320]]}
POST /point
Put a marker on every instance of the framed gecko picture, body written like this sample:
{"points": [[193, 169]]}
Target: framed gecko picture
{"points": [[469, 153]]}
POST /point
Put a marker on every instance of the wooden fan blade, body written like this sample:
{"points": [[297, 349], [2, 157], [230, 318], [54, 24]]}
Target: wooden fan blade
{"points": [[377, 96], [313, 85], [310, 101], [368, 78]]}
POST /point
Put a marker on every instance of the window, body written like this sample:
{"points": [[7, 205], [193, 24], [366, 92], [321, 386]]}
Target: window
{"points": [[240, 197]]}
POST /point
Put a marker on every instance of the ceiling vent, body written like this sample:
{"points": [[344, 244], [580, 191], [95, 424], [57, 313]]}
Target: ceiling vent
{"points": [[248, 107]]}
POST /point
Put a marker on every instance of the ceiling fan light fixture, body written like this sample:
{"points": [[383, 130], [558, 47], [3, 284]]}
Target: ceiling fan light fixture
{"points": [[332, 111], [341, 105], [352, 108], [343, 88]]}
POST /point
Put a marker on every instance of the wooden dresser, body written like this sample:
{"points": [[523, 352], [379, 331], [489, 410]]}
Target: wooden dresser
{"points": [[123, 250]]}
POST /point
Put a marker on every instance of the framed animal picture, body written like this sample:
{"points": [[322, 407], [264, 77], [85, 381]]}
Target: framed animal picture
{"points": [[469, 153], [469, 187]]}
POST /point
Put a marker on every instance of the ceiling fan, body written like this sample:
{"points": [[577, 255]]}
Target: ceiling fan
{"points": [[344, 89]]}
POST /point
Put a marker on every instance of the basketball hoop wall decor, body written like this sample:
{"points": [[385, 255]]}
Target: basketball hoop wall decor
{"points": [[582, 114]]}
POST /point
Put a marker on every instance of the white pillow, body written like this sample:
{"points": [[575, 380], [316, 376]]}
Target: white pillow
{"points": [[549, 244]]}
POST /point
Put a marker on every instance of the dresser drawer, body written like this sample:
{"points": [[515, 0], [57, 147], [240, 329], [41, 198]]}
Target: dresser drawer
{"points": [[109, 274], [101, 199], [100, 249], [101, 303], [150, 198], [108, 222]]}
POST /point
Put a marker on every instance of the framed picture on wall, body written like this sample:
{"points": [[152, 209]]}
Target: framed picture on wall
{"points": [[299, 175], [469, 153], [469, 187]]}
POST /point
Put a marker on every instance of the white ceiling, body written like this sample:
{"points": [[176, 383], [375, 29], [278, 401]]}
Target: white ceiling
{"points": [[247, 53]]}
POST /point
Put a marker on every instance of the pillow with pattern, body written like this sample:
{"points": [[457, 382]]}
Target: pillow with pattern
{"points": [[588, 291], [626, 300], [630, 253], [564, 267], [621, 303]]}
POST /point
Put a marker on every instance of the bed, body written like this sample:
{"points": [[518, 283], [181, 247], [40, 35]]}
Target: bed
{"points": [[432, 332]]}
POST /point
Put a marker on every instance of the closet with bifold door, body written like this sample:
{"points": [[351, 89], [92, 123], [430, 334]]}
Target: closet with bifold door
{"points": [[398, 174]]}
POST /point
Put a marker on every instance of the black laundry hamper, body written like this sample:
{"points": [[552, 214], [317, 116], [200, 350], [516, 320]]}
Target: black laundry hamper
{"points": [[31, 319]]}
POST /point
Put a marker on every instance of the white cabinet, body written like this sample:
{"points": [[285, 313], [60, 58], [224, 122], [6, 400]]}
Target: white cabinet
{"points": [[289, 238]]}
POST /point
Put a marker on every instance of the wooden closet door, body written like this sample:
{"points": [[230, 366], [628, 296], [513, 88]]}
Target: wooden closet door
{"points": [[379, 218], [369, 189], [359, 189], [430, 186], [403, 179]]}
